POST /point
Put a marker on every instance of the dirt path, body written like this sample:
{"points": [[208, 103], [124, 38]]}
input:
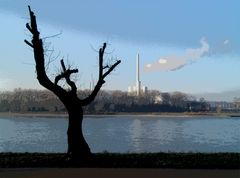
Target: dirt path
{"points": [[118, 173]]}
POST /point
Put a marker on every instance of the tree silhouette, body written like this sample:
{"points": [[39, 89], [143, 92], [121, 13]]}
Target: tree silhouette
{"points": [[77, 146]]}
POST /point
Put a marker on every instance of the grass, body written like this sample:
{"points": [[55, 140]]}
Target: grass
{"points": [[126, 160]]}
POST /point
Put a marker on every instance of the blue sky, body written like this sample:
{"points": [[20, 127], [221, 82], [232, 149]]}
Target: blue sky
{"points": [[165, 33]]}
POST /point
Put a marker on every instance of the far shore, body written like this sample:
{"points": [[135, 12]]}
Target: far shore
{"points": [[158, 114]]}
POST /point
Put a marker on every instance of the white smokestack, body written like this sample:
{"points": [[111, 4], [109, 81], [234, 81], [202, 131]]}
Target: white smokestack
{"points": [[137, 69], [138, 83]]}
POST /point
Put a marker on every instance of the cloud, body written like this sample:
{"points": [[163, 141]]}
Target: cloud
{"points": [[226, 42], [171, 63], [162, 61], [225, 47]]}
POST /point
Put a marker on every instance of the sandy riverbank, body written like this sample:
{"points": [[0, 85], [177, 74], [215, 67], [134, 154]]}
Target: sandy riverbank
{"points": [[118, 173]]}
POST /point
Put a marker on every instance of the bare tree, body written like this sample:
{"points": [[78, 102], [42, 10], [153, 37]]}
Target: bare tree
{"points": [[77, 146], [179, 99]]}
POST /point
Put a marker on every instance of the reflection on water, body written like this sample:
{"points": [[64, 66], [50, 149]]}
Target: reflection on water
{"points": [[136, 134], [124, 134]]}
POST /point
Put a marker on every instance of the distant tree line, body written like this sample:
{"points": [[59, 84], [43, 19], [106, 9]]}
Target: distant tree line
{"points": [[23, 100]]}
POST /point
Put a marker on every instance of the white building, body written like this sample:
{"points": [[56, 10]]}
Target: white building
{"points": [[137, 89], [158, 99]]}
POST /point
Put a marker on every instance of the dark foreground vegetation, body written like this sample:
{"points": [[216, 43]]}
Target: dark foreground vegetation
{"points": [[127, 160]]}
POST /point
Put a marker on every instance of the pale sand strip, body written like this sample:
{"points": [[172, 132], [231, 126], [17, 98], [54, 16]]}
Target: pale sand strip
{"points": [[118, 173]]}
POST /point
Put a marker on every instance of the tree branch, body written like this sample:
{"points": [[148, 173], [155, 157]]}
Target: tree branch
{"points": [[37, 46], [101, 76], [66, 73], [42, 77], [28, 43], [101, 54], [63, 65], [110, 69], [105, 67], [29, 28]]}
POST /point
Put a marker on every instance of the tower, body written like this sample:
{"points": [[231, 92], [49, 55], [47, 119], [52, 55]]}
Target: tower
{"points": [[137, 89], [138, 83]]}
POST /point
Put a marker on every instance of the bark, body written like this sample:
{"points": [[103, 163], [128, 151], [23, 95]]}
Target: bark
{"points": [[77, 145]]}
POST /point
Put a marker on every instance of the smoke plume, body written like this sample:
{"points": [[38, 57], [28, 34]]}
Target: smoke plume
{"points": [[171, 63]]}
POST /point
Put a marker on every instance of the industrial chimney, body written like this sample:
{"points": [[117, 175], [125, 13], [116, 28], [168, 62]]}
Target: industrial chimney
{"points": [[137, 89], [138, 83]]}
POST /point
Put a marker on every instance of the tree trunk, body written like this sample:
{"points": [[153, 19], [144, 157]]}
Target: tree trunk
{"points": [[77, 145]]}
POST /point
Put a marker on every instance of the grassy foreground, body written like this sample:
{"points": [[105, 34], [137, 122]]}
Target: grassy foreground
{"points": [[127, 160]]}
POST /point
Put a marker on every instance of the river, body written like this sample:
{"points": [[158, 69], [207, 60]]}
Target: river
{"points": [[124, 134]]}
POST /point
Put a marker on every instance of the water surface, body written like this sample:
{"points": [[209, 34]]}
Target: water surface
{"points": [[123, 134]]}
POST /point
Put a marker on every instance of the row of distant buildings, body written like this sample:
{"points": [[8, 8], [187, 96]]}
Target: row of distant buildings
{"points": [[215, 106], [224, 106]]}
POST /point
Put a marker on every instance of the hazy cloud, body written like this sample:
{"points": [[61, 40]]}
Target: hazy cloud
{"points": [[172, 62], [226, 42], [224, 47]]}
